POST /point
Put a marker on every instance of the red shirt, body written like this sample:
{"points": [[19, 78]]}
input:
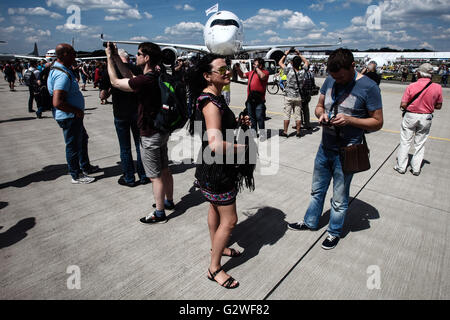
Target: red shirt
{"points": [[257, 84], [427, 99]]}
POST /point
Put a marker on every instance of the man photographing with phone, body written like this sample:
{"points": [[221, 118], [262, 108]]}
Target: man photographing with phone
{"points": [[351, 103]]}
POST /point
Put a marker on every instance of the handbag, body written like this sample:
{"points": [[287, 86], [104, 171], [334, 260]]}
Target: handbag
{"points": [[355, 158]]}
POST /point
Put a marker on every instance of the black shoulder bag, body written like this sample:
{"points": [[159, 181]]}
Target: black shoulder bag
{"points": [[415, 97]]}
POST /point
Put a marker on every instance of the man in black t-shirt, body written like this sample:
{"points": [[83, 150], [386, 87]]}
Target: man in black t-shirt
{"points": [[153, 145], [371, 72], [125, 120]]}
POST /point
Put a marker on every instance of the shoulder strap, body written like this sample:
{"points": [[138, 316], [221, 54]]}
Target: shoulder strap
{"points": [[298, 84], [250, 82], [418, 94], [62, 70]]}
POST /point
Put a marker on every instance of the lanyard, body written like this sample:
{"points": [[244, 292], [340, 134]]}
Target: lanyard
{"points": [[348, 86]]}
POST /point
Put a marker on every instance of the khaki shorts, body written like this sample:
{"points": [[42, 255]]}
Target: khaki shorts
{"points": [[292, 105], [154, 154]]}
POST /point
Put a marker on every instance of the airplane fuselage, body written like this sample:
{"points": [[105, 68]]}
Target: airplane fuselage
{"points": [[224, 33]]}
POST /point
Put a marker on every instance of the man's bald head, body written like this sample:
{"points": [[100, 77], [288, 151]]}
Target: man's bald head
{"points": [[65, 54], [62, 49]]}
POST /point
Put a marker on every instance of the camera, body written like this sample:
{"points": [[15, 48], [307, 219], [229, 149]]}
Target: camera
{"points": [[292, 50]]}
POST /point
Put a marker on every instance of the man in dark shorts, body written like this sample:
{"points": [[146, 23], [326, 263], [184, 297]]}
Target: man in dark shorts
{"points": [[154, 152]]}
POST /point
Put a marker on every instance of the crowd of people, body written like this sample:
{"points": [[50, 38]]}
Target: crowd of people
{"points": [[349, 105]]}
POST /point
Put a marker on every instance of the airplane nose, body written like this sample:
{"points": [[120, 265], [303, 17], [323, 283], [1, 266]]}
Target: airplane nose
{"points": [[224, 42]]}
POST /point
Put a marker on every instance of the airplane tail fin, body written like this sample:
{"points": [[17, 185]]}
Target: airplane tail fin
{"points": [[35, 51]]}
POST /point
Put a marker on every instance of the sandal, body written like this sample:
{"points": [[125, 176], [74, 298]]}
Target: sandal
{"points": [[233, 253], [227, 283]]}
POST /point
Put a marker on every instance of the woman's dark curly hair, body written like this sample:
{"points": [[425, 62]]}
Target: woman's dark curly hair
{"points": [[197, 82]]}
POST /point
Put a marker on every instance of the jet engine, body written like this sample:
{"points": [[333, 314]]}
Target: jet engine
{"points": [[275, 54], [169, 55]]}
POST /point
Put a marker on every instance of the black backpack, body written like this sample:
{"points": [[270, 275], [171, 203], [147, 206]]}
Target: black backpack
{"points": [[173, 114], [309, 86]]}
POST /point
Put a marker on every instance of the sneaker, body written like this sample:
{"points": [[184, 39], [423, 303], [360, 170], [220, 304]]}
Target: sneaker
{"points": [[330, 242], [282, 134], [414, 173], [399, 171], [299, 226], [152, 219], [145, 180], [122, 182], [91, 169], [83, 179], [167, 205]]}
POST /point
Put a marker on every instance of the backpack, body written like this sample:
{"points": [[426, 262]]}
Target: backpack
{"points": [[173, 114], [309, 87], [29, 78]]}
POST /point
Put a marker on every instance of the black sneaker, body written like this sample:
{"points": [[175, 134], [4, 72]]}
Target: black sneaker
{"points": [[299, 226], [91, 169], [166, 206], [282, 134], [330, 242], [145, 180], [122, 182], [414, 173], [153, 219]]}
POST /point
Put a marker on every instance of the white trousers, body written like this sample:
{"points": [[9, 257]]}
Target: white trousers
{"points": [[415, 129]]}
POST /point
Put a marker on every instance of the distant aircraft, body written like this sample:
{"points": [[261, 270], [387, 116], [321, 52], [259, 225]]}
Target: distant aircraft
{"points": [[50, 56], [223, 34]]}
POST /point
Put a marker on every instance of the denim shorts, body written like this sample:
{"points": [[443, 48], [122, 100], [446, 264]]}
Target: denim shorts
{"points": [[154, 154]]}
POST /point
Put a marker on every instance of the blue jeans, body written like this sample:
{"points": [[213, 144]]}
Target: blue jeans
{"points": [[327, 165], [256, 114], [76, 139], [123, 128]]}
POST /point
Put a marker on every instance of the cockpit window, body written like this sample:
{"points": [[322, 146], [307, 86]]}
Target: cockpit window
{"points": [[228, 22]]}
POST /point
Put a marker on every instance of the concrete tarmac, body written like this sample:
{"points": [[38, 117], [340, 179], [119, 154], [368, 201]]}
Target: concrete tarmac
{"points": [[65, 241]]}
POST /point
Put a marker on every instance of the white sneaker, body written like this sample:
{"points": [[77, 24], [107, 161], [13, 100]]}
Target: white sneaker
{"points": [[83, 179]]}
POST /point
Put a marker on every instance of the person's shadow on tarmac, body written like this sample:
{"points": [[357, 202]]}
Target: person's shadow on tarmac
{"points": [[357, 218], [265, 227], [17, 232]]}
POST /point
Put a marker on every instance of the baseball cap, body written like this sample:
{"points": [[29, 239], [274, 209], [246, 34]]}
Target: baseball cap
{"points": [[426, 68]]}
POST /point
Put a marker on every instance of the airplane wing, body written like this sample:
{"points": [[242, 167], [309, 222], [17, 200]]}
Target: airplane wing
{"points": [[190, 47], [11, 56], [280, 46], [91, 58]]}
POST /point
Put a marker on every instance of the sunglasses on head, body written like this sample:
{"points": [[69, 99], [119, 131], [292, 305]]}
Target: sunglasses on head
{"points": [[222, 70]]}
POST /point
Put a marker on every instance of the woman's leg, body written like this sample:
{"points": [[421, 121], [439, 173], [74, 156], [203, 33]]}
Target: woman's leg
{"points": [[221, 221]]}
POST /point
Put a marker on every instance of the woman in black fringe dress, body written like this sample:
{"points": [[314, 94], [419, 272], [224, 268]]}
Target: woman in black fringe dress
{"points": [[218, 180]]}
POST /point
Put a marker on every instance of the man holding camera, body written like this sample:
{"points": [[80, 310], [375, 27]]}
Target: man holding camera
{"points": [[349, 104], [292, 92], [256, 94]]}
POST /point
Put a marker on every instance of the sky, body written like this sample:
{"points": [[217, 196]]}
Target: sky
{"points": [[362, 24]]}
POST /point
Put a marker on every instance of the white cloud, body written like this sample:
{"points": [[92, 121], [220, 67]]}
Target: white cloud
{"points": [[426, 45], [121, 14], [188, 8], [184, 28], [148, 15], [299, 21], [20, 20], [10, 29], [270, 33], [38, 11], [140, 38], [72, 27], [90, 4], [266, 17]]}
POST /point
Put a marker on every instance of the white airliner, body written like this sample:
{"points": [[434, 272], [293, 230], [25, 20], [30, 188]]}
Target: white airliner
{"points": [[223, 34]]}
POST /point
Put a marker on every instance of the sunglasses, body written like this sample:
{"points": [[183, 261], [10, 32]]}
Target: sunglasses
{"points": [[140, 54], [222, 70]]}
